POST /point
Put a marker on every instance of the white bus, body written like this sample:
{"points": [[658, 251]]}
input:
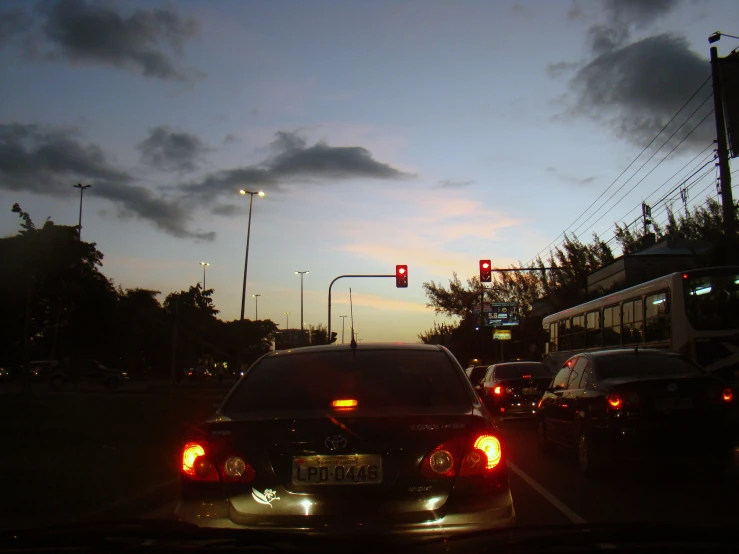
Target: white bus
{"points": [[695, 313]]}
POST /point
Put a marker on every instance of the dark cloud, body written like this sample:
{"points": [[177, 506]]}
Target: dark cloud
{"points": [[580, 181], [49, 161], [227, 210], [455, 184], [12, 23], [231, 139], [79, 31], [167, 150], [291, 160], [638, 88], [637, 85]]}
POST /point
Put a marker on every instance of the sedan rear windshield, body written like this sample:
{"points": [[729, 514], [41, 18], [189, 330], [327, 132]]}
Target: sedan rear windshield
{"points": [[519, 370], [643, 364], [374, 378]]}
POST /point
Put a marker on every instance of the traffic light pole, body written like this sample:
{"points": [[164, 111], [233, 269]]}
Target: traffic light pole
{"points": [[343, 277]]}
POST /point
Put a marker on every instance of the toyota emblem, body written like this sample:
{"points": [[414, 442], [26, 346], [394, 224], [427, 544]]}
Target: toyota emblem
{"points": [[672, 387], [335, 442]]}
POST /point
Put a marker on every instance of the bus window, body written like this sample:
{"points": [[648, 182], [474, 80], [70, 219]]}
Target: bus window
{"points": [[632, 321], [612, 326], [657, 320], [592, 326], [578, 332], [564, 334], [712, 301], [553, 337]]}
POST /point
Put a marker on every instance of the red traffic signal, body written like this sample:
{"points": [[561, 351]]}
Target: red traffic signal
{"points": [[486, 271], [401, 276]]}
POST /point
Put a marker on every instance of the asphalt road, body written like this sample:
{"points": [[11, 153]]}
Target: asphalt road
{"points": [[96, 454]]}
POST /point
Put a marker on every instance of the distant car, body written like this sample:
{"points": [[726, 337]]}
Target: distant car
{"points": [[627, 404], [380, 438], [41, 370], [514, 388], [199, 372], [88, 371], [475, 373]]}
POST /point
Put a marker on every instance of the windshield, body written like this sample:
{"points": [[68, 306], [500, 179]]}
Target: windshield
{"points": [[518, 371], [712, 301], [204, 204], [374, 378], [643, 364]]}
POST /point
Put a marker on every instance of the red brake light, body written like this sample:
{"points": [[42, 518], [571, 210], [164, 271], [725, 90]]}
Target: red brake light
{"points": [[492, 449], [498, 391], [685, 275], [727, 395], [199, 464], [525, 376], [344, 403], [615, 401], [478, 457]]}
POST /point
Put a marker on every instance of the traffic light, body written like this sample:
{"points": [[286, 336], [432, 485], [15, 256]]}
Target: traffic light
{"points": [[333, 337], [401, 276], [486, 271]]}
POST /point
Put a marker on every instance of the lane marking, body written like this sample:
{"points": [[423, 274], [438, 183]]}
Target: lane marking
{"points": [[553, 500], [133, 498]]}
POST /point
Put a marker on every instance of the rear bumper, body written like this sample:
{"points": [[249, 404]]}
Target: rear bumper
{"points": [[499, 514], [523, 407]]}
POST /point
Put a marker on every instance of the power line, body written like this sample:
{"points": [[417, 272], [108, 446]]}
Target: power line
{"points": [[645, 163], [624, 171]]}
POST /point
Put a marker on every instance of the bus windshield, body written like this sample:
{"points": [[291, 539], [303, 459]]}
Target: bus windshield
{"points": [[712, 301]]}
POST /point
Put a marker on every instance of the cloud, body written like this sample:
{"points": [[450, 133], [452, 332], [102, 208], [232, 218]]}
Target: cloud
{"points": [[231, 139], [82, 32], [455, 184], [291, 160], [571, 179], [12, 23], [637, 85], [227, 210], [48, 161], [167, 150]]}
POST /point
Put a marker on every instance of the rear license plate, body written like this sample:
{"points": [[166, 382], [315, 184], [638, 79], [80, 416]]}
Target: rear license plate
{"points": [[360, 469], [531, 390], [673, 403]]}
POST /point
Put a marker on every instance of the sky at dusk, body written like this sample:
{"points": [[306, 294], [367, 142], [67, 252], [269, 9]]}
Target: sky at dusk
{"points": [[425, 133]]}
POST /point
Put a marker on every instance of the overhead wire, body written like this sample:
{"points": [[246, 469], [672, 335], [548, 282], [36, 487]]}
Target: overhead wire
{"points": [[602, 194]]}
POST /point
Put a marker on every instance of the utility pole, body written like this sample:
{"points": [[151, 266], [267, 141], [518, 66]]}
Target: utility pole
{"points": [[727, 200], [302, 331], [82, 191], [343, 320]]}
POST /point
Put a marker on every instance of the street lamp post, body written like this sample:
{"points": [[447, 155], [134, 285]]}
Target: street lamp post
{"points": [[287, 320], [256, 306], [204, 264], [301, 273], [343, 320], [82, 191], [246, 258]]}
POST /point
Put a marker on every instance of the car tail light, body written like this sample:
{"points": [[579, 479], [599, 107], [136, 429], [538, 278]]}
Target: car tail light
{"points": [[344, 403], [615, 402], [200, 462], [479, 456], [497, 391], [727, 395], [525, 376]]}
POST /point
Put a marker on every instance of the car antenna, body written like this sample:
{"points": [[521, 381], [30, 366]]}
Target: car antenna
{"points": [[353, 343]]}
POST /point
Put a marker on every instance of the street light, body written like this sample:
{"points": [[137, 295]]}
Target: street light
{"points": [[243, 192], [82, 191], [287, 319], [301, 273], [256, 306], [715, 37], [204, 264]]}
